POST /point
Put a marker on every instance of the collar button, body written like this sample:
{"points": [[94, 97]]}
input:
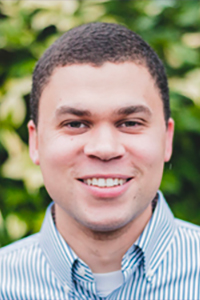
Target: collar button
{"points": [[81, 271]]}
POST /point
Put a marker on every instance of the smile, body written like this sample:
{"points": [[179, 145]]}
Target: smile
{"points": [[105, 182]]}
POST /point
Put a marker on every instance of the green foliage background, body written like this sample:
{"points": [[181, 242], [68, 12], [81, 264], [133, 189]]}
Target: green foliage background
{"points": [[27, 28]]}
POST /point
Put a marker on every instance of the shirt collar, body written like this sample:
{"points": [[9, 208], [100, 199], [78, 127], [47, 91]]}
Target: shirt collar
{"points": [[153, 242], [59, 255], [157, 235]]}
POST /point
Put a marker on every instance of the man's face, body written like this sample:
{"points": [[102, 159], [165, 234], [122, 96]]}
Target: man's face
{"points": [[101, 143]]}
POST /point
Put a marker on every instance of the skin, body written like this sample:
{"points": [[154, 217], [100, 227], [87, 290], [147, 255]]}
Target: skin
{"points": [[103, 121]]}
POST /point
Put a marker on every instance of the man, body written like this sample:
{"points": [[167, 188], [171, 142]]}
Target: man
{"points": [[101, 131]]}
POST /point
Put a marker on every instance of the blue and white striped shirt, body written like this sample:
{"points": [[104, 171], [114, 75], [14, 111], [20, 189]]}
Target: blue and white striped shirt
{"points": [[164, 263]]}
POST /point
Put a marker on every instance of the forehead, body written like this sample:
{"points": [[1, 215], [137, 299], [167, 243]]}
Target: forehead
{"points": [[100, 89]]}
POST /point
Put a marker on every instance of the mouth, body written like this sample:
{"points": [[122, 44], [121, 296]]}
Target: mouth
{"points": [[105, 182]]}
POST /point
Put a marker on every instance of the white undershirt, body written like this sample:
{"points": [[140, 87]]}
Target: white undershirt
{"points": [[108, 282]]}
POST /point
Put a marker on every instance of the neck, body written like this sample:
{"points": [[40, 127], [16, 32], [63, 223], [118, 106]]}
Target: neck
{"points": [[101, 251]]}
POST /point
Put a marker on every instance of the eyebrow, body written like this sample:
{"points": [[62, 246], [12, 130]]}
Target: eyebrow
{"points": [[62, 110], [128, 110]]}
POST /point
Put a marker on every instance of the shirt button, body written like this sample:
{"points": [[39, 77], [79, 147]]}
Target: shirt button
{"points": [[150, 275], [81, 271], [67, 289]]}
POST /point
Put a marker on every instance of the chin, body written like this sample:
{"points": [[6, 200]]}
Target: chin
{"points": [[106, 227]]}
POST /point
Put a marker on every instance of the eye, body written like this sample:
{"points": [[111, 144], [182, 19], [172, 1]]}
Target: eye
{"points": [[133, 126], [75, 124], [130, 124]]}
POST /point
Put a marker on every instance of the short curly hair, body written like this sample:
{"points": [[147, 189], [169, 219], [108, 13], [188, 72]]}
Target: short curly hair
{"points": [[95, 44]]}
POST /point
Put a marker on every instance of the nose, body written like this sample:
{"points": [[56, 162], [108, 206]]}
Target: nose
{"points": [[104, 144]]}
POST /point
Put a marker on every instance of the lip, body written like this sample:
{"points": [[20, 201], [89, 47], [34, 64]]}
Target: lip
{"points": [[106, 192]]}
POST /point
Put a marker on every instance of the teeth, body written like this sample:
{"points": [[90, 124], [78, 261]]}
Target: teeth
{"points": [[115, 181], [89, 181], [94, 181], [109, 182], [121, 181], [102, 182]]}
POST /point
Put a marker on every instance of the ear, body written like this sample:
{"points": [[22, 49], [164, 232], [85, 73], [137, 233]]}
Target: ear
{"points": [[169, 139], [33, 142]]}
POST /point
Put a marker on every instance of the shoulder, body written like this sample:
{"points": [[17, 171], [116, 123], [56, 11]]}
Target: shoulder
{"points": [[20, 262], [186, 226], [188, 232], [20, 247]]}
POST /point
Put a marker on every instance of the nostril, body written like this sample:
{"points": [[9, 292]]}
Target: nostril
{"points": [[104, 150]]}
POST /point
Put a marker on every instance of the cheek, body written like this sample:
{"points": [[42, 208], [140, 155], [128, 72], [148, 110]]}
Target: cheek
{"points": [[148, 151], [58, 153], [58, 161]]}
